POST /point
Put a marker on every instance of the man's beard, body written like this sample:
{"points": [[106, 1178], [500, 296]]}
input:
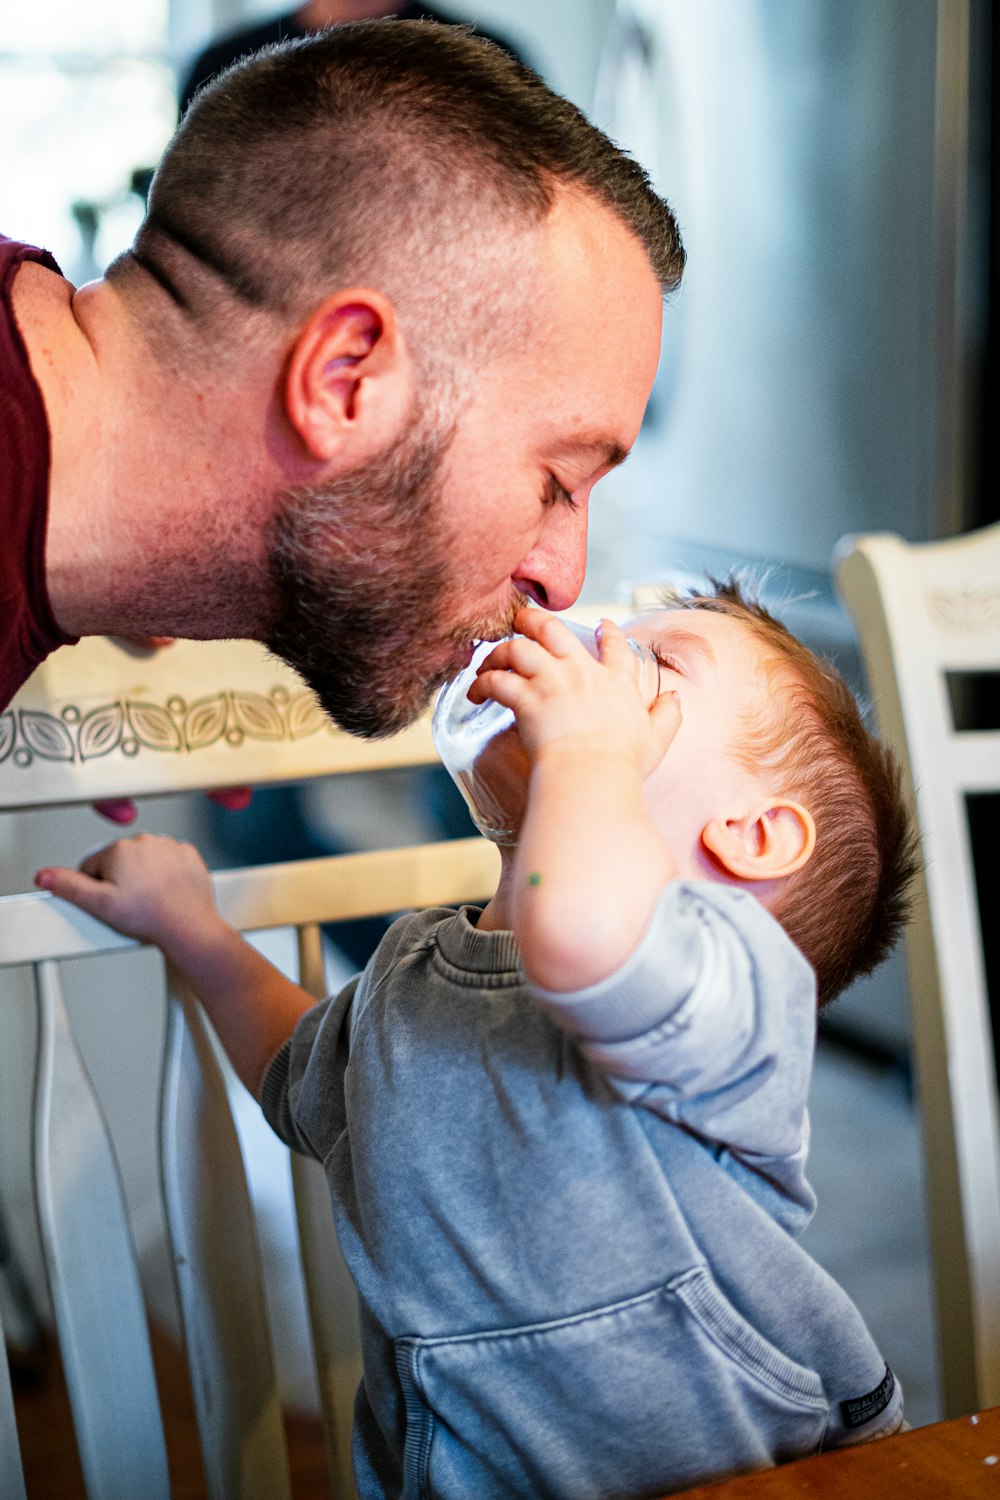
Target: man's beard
{"points": [[361, 572]]}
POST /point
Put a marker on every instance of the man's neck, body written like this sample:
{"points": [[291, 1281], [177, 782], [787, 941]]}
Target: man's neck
{"points": [[156, 516]]}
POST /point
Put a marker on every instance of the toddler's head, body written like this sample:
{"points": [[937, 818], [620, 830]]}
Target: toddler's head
{"points": [[773, 778]]}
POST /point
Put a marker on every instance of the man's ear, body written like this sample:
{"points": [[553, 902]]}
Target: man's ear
{"points": [[765, 844], [348, 384]]}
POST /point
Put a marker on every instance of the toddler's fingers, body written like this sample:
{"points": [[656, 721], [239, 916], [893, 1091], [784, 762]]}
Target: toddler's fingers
{"points": [[82, 890], [495, 660], [665, 714], [548, 630], [515, 655], [505, 688], [97, 864], [520, 654], [612, 645]]}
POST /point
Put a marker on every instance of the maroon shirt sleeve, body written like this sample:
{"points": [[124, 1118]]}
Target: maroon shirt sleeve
{"points": [[28, 629]]}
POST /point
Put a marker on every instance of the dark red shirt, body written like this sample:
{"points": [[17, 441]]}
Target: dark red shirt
{"points": [[28, 629]]}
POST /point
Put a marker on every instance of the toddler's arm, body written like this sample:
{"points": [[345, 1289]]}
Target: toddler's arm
{"points": [[590, 864], [159, 891]]}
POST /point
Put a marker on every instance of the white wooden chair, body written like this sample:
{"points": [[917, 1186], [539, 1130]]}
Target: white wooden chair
{"points": [[928, 616], [103, 719]]}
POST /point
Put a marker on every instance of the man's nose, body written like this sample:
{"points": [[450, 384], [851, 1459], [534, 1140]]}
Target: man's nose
{"points": [[552, 573]]}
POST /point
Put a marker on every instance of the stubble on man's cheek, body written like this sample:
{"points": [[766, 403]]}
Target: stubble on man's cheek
{"points": [[358, 573]]}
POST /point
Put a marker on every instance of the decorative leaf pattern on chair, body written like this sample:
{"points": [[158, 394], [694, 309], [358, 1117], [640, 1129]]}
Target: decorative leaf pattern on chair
{"points": [[304, 716], [176, 727], [206, 721], [966, 611], [257, 717], [101, 730], [154, 727], [45, 735]]}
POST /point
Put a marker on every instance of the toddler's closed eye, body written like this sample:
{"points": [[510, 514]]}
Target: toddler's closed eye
{"points": [[665, 659]]}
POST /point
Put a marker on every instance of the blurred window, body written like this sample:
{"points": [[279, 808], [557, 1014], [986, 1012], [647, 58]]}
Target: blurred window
{"points": [[88, 98]]}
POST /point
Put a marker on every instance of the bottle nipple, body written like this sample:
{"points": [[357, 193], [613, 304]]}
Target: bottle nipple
{"points": [[649, 672]]}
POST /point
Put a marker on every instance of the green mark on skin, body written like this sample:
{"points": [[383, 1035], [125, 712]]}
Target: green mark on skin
{"points": [[535, 878]]}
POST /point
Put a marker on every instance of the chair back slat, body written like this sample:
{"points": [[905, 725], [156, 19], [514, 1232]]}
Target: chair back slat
{"points": [[330, 1294], [922, 612], [35, 926], [216, 1258], [335, 888], [90, 1259], [343, 887], [333, 1318], [974, 756], [10, 1451]]}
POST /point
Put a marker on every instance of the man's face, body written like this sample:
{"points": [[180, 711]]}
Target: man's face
{"points": [[715, 665], [551, 415], [387, 575]]}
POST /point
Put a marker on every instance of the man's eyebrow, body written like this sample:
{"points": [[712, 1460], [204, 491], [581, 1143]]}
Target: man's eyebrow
{"points": [[614, 454], [609, 449], [676, 635]]}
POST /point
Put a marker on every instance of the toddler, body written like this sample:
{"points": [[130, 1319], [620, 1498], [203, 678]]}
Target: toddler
{"points": [[566, 1135]]}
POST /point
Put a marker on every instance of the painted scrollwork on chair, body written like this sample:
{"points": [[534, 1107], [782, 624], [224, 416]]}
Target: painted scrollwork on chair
{"points": [[966, 611], [176, 726], [105, 719]]}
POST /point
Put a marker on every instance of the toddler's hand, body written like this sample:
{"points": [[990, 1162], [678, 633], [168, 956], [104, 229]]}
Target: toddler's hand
{"points": [[146, 887], [560, 695]]}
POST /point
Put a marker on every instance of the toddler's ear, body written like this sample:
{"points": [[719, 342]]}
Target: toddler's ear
{"points": [[764, 844]]}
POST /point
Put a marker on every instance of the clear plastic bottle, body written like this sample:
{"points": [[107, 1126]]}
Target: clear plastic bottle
{"points": [[481, 749]]}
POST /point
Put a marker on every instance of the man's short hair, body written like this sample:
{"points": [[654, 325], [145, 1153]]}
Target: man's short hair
{"points": [[401, 146], [848, 904]]}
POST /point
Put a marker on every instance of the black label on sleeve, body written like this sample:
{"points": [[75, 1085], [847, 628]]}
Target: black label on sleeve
{"points": [[862, 1409]]}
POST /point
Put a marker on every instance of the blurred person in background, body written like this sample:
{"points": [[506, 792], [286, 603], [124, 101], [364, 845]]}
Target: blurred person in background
{"points": [[315, 15]]}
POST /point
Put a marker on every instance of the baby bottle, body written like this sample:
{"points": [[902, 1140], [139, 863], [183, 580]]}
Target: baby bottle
{"points": [[481, 748]]}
